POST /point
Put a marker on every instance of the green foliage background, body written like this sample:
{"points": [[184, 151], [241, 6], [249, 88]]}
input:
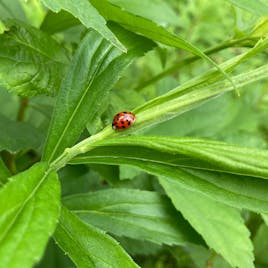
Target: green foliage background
{"points": [[186, 186]]}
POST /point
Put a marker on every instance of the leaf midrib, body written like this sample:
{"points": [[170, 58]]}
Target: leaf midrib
{"points": [[109, 48], [76, 242], [24, 204], [85, 158], [28, 45], [183, 166], [122, 219]]}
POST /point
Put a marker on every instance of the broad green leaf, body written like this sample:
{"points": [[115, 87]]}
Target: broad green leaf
{"points": [[4, 172], [29, 211], [83, 96], [149, 29], [88, 246], [11, 9], [186, 159], [156, 10], [17, 136], [137, 214], [221, 226], [256, 7], [88, 15], [31, 62]]}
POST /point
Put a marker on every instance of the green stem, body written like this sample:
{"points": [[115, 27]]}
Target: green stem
{"points": [[247, 41], [22, 109], [81, 147], [163, 109]]}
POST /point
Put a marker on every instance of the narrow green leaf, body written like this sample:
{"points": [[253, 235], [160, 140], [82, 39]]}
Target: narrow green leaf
{"points": [[4, 172], [170, 105], [221, 226], [56, 22], [256, 7], [155, 10], [158, 110], [17, 136], [83, 96], [172, 157], [29, 210], [200, 84], [88, 246], [137, 214], [88, 15], [186, 98], [149, 29], [31, 62], [188, 152]]}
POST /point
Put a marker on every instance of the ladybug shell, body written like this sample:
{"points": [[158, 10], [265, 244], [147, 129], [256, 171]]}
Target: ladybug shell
{"points": [[123, 120]]}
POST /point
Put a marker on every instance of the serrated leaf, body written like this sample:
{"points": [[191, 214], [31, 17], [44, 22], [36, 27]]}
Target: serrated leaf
{"points": [[88, 15], [256, 7], [31, 62], [17, 136], [88, 246], [221, 226], [83, 96], [150, 29], [186, 159], [29, 210], [137, 214]]}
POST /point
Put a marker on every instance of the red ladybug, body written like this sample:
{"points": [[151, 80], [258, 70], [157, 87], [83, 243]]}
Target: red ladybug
{"points": [[123, 120]]}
